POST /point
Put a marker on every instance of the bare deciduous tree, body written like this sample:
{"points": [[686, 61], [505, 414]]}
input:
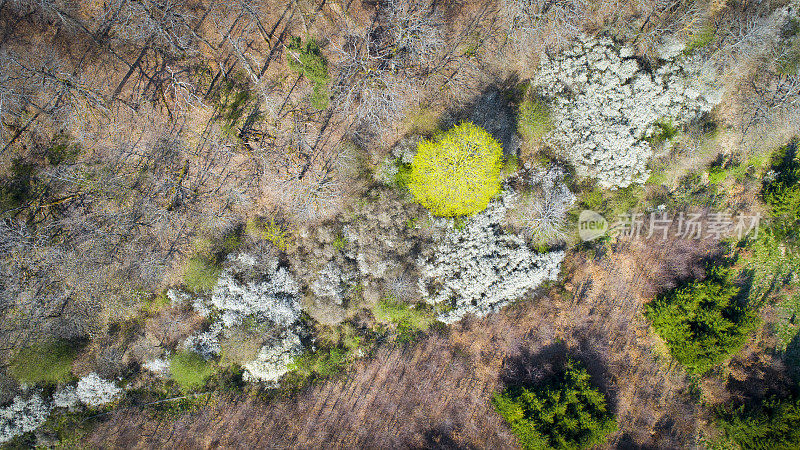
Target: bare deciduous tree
{"points": [[415, 29], [369, 82], [533, 24]]}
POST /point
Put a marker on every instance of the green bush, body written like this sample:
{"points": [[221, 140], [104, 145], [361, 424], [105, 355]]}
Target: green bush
{"points": [[201, 274], [700, 38], [189, 369], [49, 363], [308, 61], [62, 150], [775, 424], [534, 120], [665, 131], [782, 193], [568, 413], [337, 347], [272, 231], [324, 363], [410, 321], [702, 322], [457, 174]]}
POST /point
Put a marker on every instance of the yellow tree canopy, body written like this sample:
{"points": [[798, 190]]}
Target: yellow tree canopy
{"points": [[458, 173]]}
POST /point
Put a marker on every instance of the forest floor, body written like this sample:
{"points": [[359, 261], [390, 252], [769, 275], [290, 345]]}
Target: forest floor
{"points": [[436, 393]]}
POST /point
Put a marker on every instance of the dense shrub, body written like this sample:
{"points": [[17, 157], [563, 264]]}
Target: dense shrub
{"points": [[308, 60], [533, 121], [458, 173], [270, 230], [702, 323], [775, 424], [781, 191], [568, 413], [49, 363], [189, 369], [322, 363]]}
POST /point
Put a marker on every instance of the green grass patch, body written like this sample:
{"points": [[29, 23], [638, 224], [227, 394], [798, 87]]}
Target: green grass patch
{"points": [[339, 243], [611, 203], [410, 321], [657, 177], [190, 370], [308, 60], [665, 131], [700, 38], [21, 186], [46, 363], [153, 303], [201, 274], [232, 101], [323, 363], [62, 150], [717, 175], [423, 121], [533, 121]]}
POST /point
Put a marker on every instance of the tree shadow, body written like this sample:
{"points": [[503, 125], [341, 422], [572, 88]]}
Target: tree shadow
{"points": [[765, 377], [534, 368], [494, 110], [441, 438], [791, 358]]}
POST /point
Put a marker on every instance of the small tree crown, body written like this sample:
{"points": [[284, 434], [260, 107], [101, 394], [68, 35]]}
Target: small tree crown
{"points": [[458, 173]]}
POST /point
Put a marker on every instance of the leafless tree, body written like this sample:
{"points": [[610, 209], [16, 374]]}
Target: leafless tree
{"points": [[541, 212], [164, 24], [370, 83], [415, 29], [40, 85], [665, 18], [533, 24]]}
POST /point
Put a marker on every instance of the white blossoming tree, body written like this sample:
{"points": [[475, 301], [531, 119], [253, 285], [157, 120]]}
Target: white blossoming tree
{"points": [[95, 391]]}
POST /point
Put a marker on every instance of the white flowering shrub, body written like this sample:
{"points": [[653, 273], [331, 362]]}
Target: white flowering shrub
{"points": [[273, 298], [157, 366], [255, 297], [604, 105], [66, 397], [274, 358], [332, 283], [177, 297], [21, 416], [480, 268], [205, 344], [95, 391]]}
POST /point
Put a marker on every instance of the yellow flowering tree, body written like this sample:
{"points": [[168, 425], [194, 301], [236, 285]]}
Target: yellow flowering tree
{"points": [[458, 173]]}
